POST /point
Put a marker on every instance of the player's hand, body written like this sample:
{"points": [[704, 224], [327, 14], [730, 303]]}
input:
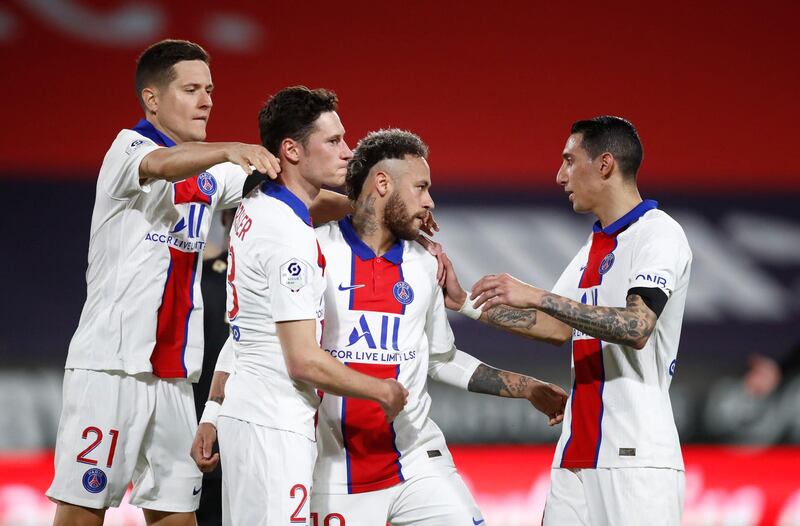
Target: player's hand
{"points": [[549, 399], [454, 294], [395, 398], [497, 289], [429, 224], [202, 447], [434, 249], [253, 157]]}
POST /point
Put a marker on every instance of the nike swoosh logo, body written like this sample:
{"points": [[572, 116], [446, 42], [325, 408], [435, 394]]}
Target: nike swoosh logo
{"points": [[477, 522], [350, 287], [196, 491]]}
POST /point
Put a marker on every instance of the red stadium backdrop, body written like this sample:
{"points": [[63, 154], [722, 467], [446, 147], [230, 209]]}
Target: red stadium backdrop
{"points": [[724, 486], [492, 88]]}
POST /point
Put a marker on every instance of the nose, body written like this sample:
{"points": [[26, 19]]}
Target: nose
{"points": [[205, 100], [427, 202], [561, 176], [347, 153]]}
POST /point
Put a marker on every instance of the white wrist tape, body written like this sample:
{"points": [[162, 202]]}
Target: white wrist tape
{"points": [[211, 413], [468, 309]]}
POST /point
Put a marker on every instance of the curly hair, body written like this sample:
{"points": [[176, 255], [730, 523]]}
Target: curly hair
{"points": [[154, 67], [377, 146], [291, 113]]}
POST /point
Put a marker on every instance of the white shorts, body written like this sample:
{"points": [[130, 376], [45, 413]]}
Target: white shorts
{"points": [[116, 429], [430, 499], [266, 474], [611, 496]]}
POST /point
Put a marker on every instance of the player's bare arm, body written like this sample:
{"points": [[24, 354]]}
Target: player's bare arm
{"points": [[549, 399], [191, 158], [329, 206], [630, 325], [206, 435], [307, 362], [529, 323]]}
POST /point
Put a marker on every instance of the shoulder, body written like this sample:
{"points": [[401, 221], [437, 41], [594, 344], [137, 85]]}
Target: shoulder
{"points": [[129, 142], [226, 171], [328, 232], [414, 253], [658, 222]]}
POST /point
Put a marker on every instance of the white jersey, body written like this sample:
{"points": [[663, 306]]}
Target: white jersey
{"points": [[619, 412], [276, 273], [385, 318], [144, 309]]}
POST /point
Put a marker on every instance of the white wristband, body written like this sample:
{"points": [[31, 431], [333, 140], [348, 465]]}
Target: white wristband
{"points": [[468, 309], [211, 413]]}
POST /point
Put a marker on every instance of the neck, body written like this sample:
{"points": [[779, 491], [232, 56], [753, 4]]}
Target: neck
{"points": [[616, 204], [368, 224], [152, 119], [298, 185]]}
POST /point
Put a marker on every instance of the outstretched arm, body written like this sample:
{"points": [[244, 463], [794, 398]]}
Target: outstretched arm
{"points": [[191, 158], [630, 325]]}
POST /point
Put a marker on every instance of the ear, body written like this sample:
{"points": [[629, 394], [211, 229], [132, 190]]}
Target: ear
{"points": [[607, 163], [290, 149], [383, 183], [150, 99]]}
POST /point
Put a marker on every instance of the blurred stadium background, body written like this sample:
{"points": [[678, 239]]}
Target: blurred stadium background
{"points": [[711, 86]]}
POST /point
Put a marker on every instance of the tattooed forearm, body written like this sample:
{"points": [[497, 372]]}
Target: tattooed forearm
{"points": [[364, 220], [631, 325], [488, 380], [510, 318]]}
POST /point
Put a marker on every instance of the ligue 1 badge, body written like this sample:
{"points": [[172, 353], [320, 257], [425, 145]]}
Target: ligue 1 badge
{"points": [[206, 183], [94, 480], [607, 263], [403, 292]]}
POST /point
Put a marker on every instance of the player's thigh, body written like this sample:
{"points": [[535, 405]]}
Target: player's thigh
{"points": [[166, 478], [566, 502], [435, 499], [266, 474], [650, 496], [104, 417], [367, 508]]}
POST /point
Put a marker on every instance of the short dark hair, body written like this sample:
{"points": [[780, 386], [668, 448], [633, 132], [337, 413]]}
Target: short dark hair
{"points": [[377, 146], [291, 113], [154, 66], [614, 135]]}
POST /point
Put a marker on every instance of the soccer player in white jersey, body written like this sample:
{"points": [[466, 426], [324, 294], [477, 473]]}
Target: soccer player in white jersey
{"points": [[128, 414], [620, 301], [385, 317], [275, 302]]}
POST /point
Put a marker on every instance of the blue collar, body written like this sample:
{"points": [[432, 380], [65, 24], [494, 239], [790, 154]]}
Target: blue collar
{"points": [[637, 212], [146, 128], [360, 249], [283, 194]]}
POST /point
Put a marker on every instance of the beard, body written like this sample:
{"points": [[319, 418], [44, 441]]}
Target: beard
{"points": [[398, 220]]}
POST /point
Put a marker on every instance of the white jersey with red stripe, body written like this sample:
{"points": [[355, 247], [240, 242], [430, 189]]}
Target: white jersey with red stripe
{"points": [[276, 274], [386, 318], [144, 309], [619, 412]]}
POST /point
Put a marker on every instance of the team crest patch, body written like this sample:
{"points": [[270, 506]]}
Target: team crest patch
{"points": [[295, 274], [94, 480], [403, 292], [206, 183], [607, 263]]}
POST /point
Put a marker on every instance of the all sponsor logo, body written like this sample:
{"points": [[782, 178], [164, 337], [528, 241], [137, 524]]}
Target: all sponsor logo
{"points": [[94, 480], [403, 292], [206, 183]]}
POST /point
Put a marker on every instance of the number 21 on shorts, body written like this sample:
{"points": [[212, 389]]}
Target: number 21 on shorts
{"points": [[98, 437]]}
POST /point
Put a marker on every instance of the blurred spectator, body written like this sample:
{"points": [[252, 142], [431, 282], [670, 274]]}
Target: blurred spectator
{"points": [[766, 374]]}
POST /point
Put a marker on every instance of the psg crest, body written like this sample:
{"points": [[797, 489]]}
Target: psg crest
{"points": [[206, 183], [94, 480], [403, 292], [607, 263]]}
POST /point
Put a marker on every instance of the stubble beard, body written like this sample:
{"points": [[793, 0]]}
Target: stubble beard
{"points": [[398, 220]]}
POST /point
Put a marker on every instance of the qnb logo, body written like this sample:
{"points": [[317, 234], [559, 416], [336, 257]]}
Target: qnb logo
{"points": [[653, 278], [193, 222], [389, 333]]}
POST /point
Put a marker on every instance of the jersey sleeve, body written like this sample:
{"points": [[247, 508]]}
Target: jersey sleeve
{"points": [[231, 179], [119, 176], [290, 277], [660, 258]]}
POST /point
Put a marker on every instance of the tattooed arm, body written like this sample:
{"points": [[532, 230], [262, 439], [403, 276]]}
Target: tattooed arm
{"points": [[630, 325], [524, 322], [547, 398]]}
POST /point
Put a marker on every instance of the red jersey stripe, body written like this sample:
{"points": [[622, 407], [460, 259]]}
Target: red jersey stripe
{"points": [[188, 191], [378, 277]]}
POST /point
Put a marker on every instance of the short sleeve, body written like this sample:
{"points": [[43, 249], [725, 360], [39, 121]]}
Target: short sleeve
{"points": [[119, 176], [290, 275], [660, 258]]}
